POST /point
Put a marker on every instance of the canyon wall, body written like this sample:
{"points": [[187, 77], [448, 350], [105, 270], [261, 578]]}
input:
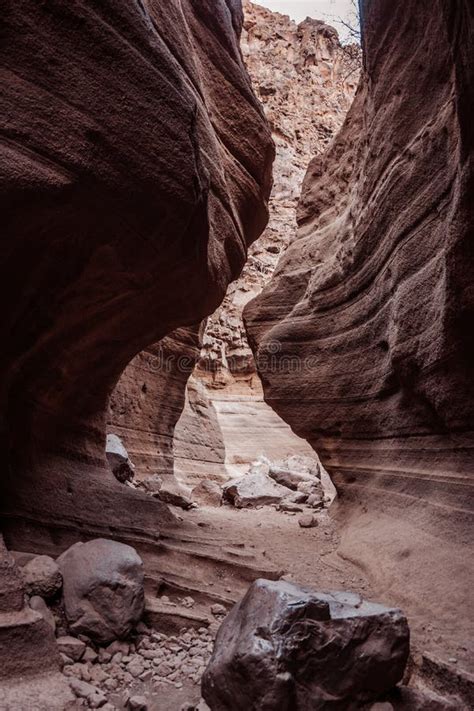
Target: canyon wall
{"points": [[372, 310], [131, 189], [306, 82]]}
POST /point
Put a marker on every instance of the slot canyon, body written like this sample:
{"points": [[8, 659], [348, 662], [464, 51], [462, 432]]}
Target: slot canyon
{"points": [[237, 382]]}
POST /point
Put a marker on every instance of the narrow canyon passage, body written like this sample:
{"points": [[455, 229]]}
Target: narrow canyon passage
{"points": [[237, 386]]}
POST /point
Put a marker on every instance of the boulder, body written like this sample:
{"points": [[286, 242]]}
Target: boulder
{"points": [[102, 589], [207, 493], [286, 647], [253, 489], [288, 478], [308, 521], [118, 459], [152, 484], [41, 576], [175, 494]]}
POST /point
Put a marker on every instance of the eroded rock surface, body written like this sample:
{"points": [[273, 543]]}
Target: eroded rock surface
{"points": [[303, 79], [132, 189], [370, 307], [284, 647]]}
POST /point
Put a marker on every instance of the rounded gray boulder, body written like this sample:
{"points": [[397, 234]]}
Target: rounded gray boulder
{"points": [[103, 589]]}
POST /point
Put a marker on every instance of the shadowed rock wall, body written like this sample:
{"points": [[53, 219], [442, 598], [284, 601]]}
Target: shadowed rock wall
{"points": [[131, 189], [372, 308]]}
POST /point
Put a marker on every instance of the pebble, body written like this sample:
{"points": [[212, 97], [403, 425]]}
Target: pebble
{"points": [[138, 703], [216, 609], [308, 521], [71, 647]]}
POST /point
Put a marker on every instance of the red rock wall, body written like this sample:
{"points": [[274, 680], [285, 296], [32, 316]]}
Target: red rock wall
{"points": [[131, 190], [149, 398], [372, 307]]}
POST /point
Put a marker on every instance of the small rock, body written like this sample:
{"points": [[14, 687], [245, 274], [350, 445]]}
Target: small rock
{"points": [[218, 609], [288, 506], [90, 655], [118, 646], [207, 493], [118, 459], [41, 576], [135, 669], [163, 669], [175, 494], [315, 501], [308, 521], [71, 647], [138, 703], [152, 484], [187, 602], [84, 690]]}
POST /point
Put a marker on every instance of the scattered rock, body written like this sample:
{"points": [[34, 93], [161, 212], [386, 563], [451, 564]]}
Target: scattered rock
{"points": [[103, 589], [152, 484], [41, 576], [253, 489], [218, 609], [175, 494], [90, 655], [315, 501], [308, 521], [296, 648], [207, 493], [118, 459], [138, 703], [71, 647], [290, 507], [37, 603], [288, 478], [84, 690]]}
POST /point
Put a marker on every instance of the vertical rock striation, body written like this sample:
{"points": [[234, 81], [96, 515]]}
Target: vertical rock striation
{"points": [[132, 189], [372, 308]]}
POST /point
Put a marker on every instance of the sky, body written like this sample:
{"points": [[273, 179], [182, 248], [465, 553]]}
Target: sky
{"points": [[327, 10]]}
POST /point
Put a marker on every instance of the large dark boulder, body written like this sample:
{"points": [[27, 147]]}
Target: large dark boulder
{"points": [[102, 589], [288, 648]]}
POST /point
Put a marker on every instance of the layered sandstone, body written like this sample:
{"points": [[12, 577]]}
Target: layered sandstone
{"points": [[305, 81], [132, 189], [372, 309]]}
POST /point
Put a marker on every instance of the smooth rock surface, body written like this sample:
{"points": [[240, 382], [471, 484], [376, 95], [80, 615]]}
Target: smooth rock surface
{"points": [[144, 189], [370, 311], [287, 648], [103, 589]]}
